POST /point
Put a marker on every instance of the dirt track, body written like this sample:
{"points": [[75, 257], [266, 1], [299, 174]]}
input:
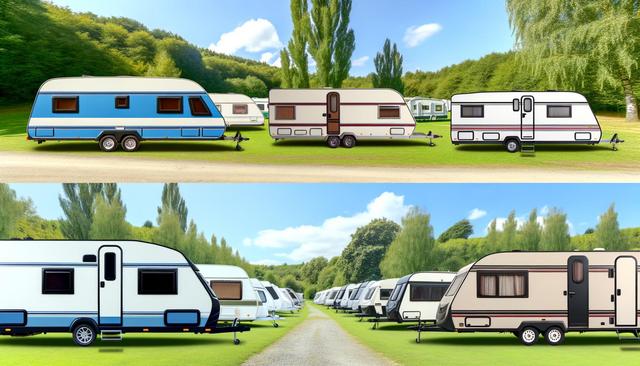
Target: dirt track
{"points": [[317, 341], [27, 167]]}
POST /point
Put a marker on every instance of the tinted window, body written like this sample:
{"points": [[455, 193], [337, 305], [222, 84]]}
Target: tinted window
{"points": [[65, 104], [240, 109], [157, 282], [260, 107], [559, 111], [472, 111], [333, 103], [396, 292], [389, 112], [369, 294], [438, 108], [455, 285], [273, 293], [425, 107], [227, 290], [198, 107], [516, 105], [502, 284], [577, 271], [262, 296], [122, 102], [285, 112], [57, 281], [170, 105], [528, 105], [385, 293], [109, 266], [427, 291]]}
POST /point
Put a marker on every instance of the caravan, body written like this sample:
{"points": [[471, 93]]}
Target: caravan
{"points": [[238, 110], [266, 304], [416, 296], [332, 293], [375, 300], [123, 111], [428, 109], [102, 287], [263, 105], [516, 118], [357, 294], [232, 286], [549, 293]]}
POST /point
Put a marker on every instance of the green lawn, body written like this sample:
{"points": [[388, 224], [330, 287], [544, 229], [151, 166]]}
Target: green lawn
{"points": [[262, 149], [469, 349], [146, 349]]}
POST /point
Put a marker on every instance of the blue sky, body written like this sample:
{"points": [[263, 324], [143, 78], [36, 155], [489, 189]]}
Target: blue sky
{"points": [[431, 34], [276, 223]]}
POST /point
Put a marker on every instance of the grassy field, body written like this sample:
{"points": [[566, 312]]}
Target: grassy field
{"points": [[262, 149], [470, 349], [147, 349]]}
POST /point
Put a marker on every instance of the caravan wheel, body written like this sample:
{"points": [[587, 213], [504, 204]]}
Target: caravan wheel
{"points": [[529, 336], [108, 143], [333, 141], [554, 336], [348, 141], [512, 145], [84, 335], [130, 143]]}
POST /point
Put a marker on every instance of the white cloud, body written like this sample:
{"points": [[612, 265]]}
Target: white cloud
{"points": [[266, 57], [476, 213], [254, 35], [277, 62], [360, 61], [304, 242], [415, 35]]}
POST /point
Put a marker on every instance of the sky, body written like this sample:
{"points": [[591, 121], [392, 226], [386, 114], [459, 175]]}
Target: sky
{"points": [[430, 34], [291, 223]]}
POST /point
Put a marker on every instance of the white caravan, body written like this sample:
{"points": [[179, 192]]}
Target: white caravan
{"points": [[516, 118], [101, 287], [550, 293], [416, 296], [332, 293], [338, 298], [232, 286], [349, 290], [428, 109], [362, 291], [318, 298], [266, 305], [283, 300], [339, 116], [376, 298], [238, 109], [275, 295], [263, 105]]}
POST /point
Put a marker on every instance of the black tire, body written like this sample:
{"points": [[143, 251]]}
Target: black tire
{"points": [[528, 336], [333, 141], [130, 143], [348, 141], [236, 341], [554, 336], [275, 325], [512, 145], [108, 143], [84, 335]]}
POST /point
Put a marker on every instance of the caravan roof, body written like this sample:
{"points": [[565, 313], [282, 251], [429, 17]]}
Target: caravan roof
{"points": [[129, 84]]}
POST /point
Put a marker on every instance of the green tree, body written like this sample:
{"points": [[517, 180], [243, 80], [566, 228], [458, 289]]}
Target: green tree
{"points": [[493, 236], [608, 231], [570, 40], [311, 270], [77, 205], [295, 63], [251, 86], [530, 232], [172, 201], [169, 231], [412, 249], [11, 211], [331, 41], [109, 221], [555, 234], [285, 70], [508, 238], [388, 68], [164, 66], [141, 47], [460, 230]]}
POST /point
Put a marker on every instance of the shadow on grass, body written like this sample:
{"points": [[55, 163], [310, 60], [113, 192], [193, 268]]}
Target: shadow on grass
{"points": [[539, 148], [232, 129], [214, 146], [461, 340], [132, 342], [363, 143]]}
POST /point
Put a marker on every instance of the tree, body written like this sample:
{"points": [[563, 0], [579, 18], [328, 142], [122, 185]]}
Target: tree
{"points": [[285, 70], [163, 65], [388, 68], [250, 85], [331, 42], [172, 201], [555, 234], [570, 40], [295, 63], [508, 240], [608, 231], [109, 221], [77, 205], [311, 270], [492, 237], [169, 232], [141, 47], [11, 210], [460, 230], [411, 251], [530, 232]]}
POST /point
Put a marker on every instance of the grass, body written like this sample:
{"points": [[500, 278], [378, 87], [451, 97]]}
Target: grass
{"points": [[146, 349], [262, 149], [471, 349]]}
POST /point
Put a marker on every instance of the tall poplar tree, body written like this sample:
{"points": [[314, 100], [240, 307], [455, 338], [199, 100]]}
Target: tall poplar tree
{"points": [[530, 232], [295, 63], [172, 201], [388, 68], [608, 231], [555, 234]]}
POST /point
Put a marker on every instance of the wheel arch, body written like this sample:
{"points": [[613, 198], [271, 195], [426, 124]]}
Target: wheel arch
{"points": [[542, 326], [88, 321], [119, 134]]}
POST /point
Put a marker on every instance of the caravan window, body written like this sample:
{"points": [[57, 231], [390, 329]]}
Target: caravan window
{"points": [[527, 105], [472, 111], [65, 104], [240, 109], [285, 112], [57, 281], [577, 272], [516, 105], [109, 266], [170, 105], [559, 111], [198, 107], [455, 285], [504, 284], [260, 106], [388, 111], [273, 293], [427, 291], [262, 296], [369, 293], [385, 293], [396, 292], [157, 282], [122, 102], [438, 108], [227, 290], [425, 108]]}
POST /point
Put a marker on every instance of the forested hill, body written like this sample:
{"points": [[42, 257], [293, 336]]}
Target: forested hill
{"points": [[39, 41]]}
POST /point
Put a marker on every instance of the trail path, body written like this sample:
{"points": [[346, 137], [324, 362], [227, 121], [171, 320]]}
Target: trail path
{"points": [[25, 168], [319, 340]]}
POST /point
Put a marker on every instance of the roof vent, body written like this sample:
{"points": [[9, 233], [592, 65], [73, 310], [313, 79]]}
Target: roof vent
{"points": [[599, 249]]}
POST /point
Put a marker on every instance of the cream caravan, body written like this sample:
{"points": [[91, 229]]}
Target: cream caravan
{"points": [[416, 296], [377, 296], [549, 293], [339, 116], [238, 110], [232, 286], [516, 118]]}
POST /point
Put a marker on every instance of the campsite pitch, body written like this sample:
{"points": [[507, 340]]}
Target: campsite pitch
{"points": [[144, 349]]}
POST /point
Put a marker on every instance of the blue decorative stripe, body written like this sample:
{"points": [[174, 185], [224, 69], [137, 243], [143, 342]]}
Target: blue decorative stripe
{"points": [[182, 318], [150, 133], [110, 320], [12, 317]]}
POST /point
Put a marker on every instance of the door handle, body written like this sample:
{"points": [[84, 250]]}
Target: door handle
{"points": [[571, 293], [102, 284], [324, 114], [618, 292], [524, 115]]}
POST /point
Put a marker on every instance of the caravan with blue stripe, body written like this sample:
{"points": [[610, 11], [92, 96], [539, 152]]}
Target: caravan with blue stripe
{"points": [[123, 111], [106, 288]]}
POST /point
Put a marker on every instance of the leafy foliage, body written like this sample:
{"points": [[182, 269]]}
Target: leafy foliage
{"points": [[608, 231], [388, 68], [460, 230]]}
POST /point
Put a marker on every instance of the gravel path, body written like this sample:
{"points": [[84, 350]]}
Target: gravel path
{"points": [[318, 341], [30, 167]]}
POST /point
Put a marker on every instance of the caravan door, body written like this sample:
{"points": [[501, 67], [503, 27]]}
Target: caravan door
{"points": [[626, 291], [578, 291], [110, 285], [527, 118], [333, 113]]}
